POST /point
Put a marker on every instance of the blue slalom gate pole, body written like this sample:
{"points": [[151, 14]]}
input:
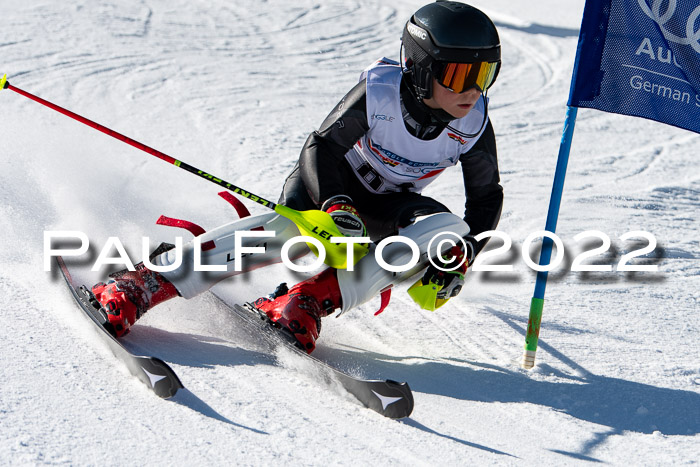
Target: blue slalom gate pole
{"points": [[537, 303]]}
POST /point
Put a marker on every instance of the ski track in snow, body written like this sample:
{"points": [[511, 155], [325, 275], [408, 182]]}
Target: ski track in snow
{"points": [[234, 90]]}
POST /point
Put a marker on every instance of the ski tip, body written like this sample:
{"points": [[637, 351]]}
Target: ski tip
{"points": [[3, 82]]}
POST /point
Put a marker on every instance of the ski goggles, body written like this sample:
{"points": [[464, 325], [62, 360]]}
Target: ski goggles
{"points": [[460, 77]]}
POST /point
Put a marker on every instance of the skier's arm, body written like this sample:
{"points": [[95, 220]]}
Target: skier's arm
{"points": [[481, 183], [324, 150]]}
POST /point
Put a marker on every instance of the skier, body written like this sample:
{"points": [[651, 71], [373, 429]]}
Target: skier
{"points": [[387, 139]]}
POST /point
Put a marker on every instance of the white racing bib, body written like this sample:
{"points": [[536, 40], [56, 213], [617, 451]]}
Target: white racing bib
{"points": [[388, 158]]}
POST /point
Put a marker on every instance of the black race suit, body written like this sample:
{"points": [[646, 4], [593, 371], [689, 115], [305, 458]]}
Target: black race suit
{"points": [[322, 171]]}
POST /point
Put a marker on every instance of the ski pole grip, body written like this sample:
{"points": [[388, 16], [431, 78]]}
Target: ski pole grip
{"points": [[3, 82]]}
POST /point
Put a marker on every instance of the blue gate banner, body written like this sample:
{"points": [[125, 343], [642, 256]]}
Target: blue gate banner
{"points": [[640, 58]]}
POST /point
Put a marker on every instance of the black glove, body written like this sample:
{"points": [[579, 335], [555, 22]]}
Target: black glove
{"points": [[451, 281]]}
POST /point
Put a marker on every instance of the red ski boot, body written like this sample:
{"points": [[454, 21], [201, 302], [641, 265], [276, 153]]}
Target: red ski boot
{"points": [[129, 294], [300, 309]]}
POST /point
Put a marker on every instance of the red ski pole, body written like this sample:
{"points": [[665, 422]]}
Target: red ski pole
{"points": [[314, 223]]}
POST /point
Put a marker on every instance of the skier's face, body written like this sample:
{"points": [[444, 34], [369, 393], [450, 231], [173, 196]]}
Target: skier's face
{"points": [[457, 105]]}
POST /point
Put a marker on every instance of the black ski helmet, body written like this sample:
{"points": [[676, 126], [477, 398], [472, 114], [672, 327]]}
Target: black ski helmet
{"points": [[446, 31]]}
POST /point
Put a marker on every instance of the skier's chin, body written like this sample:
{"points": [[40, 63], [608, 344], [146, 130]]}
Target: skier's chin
{"points": [[460, 111]]}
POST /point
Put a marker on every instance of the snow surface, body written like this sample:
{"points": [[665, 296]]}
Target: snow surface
{"points": [[234, 88]]}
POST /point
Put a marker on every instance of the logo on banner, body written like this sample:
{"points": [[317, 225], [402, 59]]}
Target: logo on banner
{"points": [[692, 36], [640, 58]]}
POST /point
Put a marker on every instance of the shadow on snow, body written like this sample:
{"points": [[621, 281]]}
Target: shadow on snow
{"points": [[615, 403], [198, 352]]}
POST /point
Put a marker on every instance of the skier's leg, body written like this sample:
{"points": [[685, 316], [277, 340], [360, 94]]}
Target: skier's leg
{"points": [[191, 283], [369, 277], [385, 214], [301, 308], [294, 193], [129, 294]]}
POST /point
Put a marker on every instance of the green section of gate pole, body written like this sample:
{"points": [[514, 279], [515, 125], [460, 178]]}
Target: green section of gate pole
{"points": [[533, 332]]}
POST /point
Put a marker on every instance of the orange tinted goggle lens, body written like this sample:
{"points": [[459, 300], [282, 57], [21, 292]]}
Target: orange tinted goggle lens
{"points": [[460, 77]]}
